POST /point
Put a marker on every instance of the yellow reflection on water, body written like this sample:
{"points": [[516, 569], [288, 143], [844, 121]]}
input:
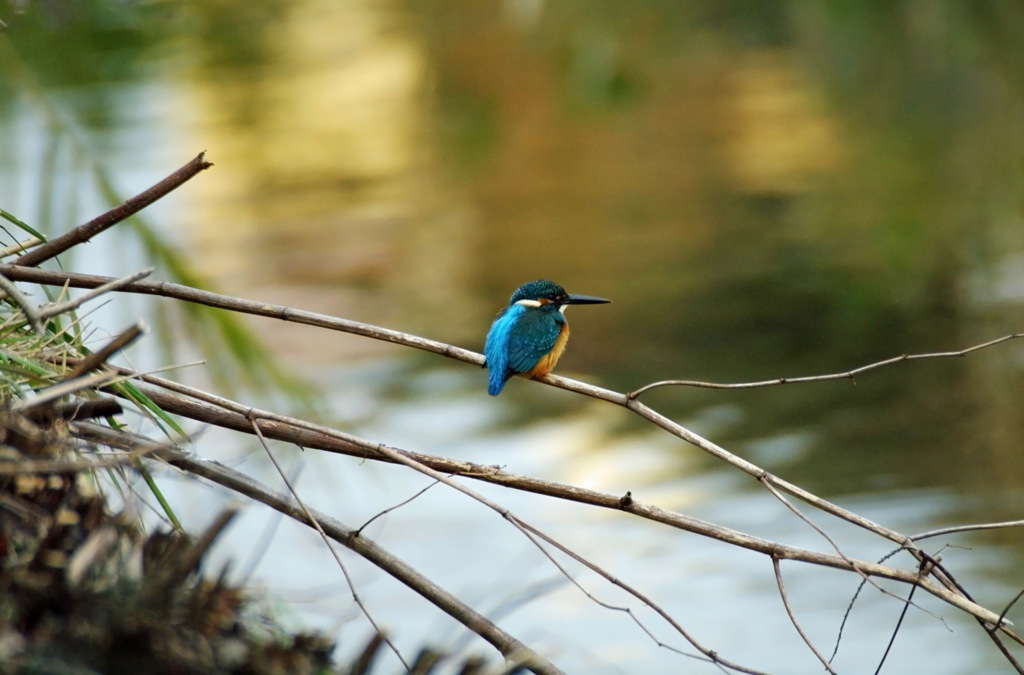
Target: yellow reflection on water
{"points": [[323, 195]]}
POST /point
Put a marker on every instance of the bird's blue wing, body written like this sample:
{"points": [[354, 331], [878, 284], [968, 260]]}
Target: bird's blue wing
{"points": [[533, 336], [496, 350], [519, 338]]}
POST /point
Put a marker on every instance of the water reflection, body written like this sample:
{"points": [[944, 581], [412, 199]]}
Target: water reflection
{"points": [[764, 190]]}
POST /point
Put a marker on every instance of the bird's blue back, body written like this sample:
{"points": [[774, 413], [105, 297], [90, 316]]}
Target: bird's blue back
{"points": [[519, 338]]}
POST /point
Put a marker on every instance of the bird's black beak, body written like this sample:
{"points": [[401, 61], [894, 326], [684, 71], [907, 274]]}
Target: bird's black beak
{"points": [[584, 300]]}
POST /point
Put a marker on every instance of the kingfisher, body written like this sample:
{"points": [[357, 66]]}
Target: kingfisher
{"points": [[530, 334]]}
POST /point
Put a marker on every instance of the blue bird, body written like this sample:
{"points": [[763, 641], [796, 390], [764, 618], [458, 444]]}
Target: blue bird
{"points": [[530, 334]]}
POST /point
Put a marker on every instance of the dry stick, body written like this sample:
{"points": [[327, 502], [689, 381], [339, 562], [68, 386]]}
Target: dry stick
{"points": [[85, 232], [54, 309], [814, 526], [628, 401], [28, 308], [319, 437], [792, 617], [907, 602], [200, 297], [848, 375], [966, 528], [396, 506], [899, 623], [20, 246], [310, 518], [22, 466], [712, 657], [1008, 606], [77, 409], [97, 358], [94, 381], [215, 472]]}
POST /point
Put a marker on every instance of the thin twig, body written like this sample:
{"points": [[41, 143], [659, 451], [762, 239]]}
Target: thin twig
{"points": [[54, 309], [966, 528], [397, 506], [85, 232], [28, 308], [94, 381], [899, 623], [847, 375], [792, 617], [708, 655], [853, 564], [310, 518], [20, 246], [1002, 615], [281, 312], [99, 357]]}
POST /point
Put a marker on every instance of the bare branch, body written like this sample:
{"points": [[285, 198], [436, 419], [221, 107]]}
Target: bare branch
{"points": [[396, 506], [54, 309], [64, 388], [28, 308], [848, 375], [792, 617], [899, 622], [20, 246], [1010, 604], [85, 232], [866, 579], [966, 528], [709, 655], [310, 518], [189, 294], [99, 357]]}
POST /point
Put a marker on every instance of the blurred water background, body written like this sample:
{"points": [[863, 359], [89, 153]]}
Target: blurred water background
{"points": [[763, 189]]}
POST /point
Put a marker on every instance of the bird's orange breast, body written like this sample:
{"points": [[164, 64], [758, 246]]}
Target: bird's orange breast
{"points": [[547, 363]]}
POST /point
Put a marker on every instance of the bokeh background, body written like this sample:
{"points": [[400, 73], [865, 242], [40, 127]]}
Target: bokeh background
{"points": [[763, 189]]}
